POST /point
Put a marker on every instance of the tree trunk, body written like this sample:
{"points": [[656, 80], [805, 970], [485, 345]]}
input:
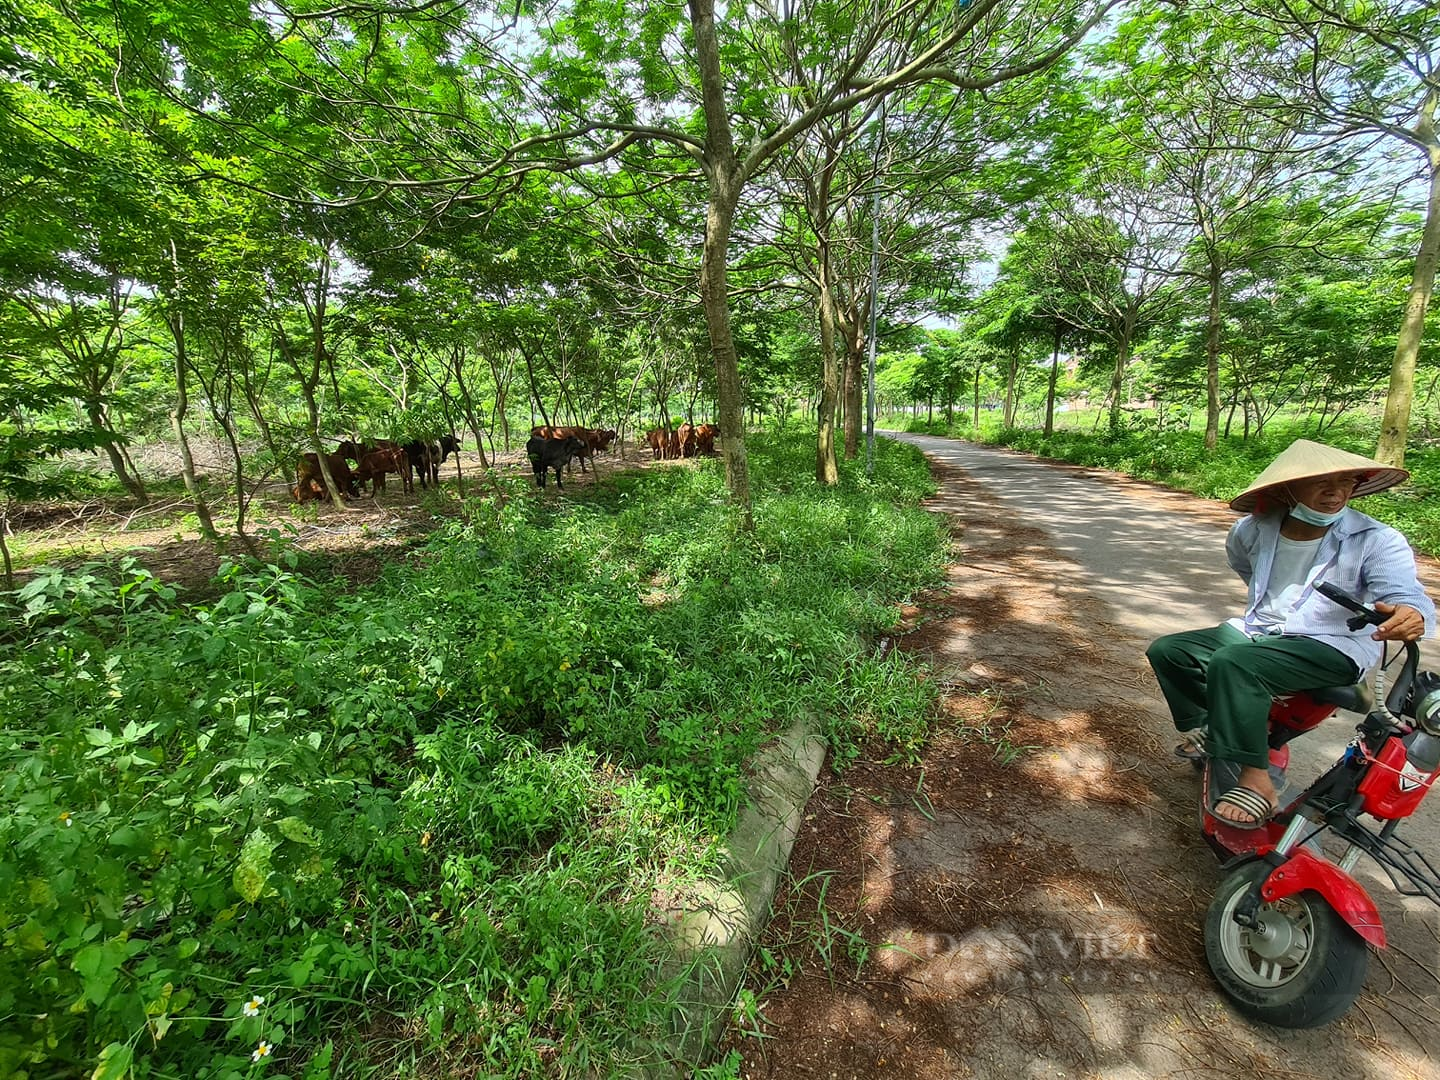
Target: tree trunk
{"points": [[131, 483], [251, 391], [471, 416], [1395, 424], [1010, 377], [827, 468], [975, 399], [1212, 359], [854, 389], [312, 407], [242, 503], [310, 381], [1117, 381], [1054, 378], [9, 567], [725, 184], [176, 322]]}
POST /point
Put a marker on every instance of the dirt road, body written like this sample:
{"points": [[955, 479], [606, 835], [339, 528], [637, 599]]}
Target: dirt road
{"points": [[1027, 900]]}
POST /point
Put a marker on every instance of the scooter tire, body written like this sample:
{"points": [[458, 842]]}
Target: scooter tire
{"points": [[1305, 969]]}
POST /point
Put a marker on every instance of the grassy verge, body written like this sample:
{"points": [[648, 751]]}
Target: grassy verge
{"points": [[421, 827], [1178, 459]]}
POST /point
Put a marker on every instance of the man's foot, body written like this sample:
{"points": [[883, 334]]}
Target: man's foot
{"points": [[1191, 748], [1241, 805]]}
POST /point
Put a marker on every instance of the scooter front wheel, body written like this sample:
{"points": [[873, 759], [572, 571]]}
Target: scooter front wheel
{"points": [[1299, 966]]}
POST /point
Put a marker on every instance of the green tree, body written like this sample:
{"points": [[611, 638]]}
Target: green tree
{"points": [[1366, 70]]}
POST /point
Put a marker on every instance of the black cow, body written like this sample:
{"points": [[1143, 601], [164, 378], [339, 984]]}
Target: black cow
{"points": [[545, 454], [423, 458]]}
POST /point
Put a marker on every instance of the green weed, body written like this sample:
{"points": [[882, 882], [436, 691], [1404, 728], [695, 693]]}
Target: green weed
{"points": [[304, 831]]}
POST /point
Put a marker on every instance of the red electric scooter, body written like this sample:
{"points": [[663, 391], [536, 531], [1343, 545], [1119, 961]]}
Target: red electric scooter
{"points": [[1286, 933]]}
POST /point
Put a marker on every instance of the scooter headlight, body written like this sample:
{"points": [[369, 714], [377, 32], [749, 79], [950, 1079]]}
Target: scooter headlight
{"points": [[1426, 696]]}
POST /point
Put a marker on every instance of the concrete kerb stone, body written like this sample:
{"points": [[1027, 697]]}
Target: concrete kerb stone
{"points": [[715, 934]]}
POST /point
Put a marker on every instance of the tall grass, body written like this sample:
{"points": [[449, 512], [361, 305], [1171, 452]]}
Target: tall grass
{"points": [[424, 827]]}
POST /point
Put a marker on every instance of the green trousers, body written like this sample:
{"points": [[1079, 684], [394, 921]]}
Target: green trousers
{"points": [[1222, 679]]}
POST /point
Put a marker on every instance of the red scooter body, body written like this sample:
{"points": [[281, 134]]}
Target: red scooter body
{"points": [[1302, 869], [1287, 931], [1289, 716]]}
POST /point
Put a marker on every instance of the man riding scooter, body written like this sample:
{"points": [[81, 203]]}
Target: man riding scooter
{"points": [[1298, 531]]}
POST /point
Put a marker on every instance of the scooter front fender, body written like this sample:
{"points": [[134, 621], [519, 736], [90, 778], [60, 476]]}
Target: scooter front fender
{"points": [[1303, 870]]}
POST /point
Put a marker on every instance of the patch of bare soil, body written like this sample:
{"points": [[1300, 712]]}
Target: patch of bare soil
{"points": [[354, 544], [1027, 900]]}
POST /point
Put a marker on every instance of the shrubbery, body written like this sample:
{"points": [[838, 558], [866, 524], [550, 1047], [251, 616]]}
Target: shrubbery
{"points": [[303, 832]]}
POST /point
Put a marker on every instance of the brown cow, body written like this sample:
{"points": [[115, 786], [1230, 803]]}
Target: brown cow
{"points": [[355, 451], [375, 464], [685, 439], [655, 439], [672, 444], [310, 481], [705, 439]]}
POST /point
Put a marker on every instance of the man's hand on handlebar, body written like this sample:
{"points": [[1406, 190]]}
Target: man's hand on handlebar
{"points": [[1404, 623]]}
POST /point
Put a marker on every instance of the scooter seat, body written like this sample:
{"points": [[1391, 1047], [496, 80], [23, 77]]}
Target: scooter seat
{"points": [[1358, 698]]}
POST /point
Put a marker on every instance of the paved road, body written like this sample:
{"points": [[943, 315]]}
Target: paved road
{"points": [[1161, 571]]}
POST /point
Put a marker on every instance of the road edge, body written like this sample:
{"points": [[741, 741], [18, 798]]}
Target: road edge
{"points": [[716, 933]]}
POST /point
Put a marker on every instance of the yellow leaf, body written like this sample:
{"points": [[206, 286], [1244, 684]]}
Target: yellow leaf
{"points": [[114, 1064]]}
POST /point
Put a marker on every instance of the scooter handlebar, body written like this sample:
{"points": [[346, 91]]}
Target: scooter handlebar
{"points": [[1364, 616]]}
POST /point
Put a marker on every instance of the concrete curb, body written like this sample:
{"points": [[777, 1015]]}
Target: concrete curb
{"points": [[715, 935]]}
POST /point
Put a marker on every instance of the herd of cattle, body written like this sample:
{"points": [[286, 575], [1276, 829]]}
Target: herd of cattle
{"points": [[555, 447], [548, 448], [685, 441], [372, 463]]}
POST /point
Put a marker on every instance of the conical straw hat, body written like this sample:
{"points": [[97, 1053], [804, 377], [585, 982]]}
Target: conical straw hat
{"points": [[1303, 459]]}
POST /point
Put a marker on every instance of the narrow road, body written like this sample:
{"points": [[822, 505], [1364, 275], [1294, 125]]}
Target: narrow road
{"points": [[1159, 565], [1027, 898]]}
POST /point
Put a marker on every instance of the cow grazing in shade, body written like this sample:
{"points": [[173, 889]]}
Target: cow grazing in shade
{"points": [[357, 450], [705, 439], [655, 439], [375, 464], [546, 454], [310, 481], [685, 439], [424, 459], [587, 438]]}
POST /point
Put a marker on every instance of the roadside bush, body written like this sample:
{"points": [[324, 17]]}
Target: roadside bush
{"points": [[296, 831]]}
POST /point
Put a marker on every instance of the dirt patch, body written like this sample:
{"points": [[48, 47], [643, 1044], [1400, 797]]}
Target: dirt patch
{"points": [[1027, 899]]}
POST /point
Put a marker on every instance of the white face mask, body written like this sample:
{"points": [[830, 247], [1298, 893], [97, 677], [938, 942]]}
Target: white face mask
{"points": [[1309, 516]]}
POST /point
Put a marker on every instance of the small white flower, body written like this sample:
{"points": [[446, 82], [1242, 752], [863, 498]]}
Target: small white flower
{"points": [[252, 1008], [66, 819], [261, 1051]]}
